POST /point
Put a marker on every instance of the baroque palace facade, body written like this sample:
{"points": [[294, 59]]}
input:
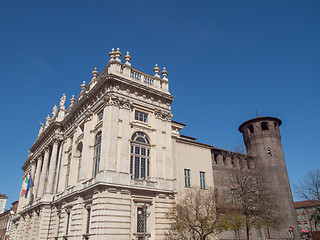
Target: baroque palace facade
{"points": [[113, 163]]}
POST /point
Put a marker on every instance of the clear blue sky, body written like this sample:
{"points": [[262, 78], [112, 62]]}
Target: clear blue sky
{"points": [[225, 59]]}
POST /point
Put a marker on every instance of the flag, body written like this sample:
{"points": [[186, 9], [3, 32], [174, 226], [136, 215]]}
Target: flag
{"points": [[30, 185], [24, 186]]}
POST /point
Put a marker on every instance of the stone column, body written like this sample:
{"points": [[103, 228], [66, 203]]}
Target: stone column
{"points": [[43, 172], [33, 170], [37, 177], [59, 167], [53, 166]]}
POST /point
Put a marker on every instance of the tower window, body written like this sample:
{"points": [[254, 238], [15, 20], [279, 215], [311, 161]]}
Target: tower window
{"points": [[264, 126], [250, 127], [269, 152], [233, 196]]}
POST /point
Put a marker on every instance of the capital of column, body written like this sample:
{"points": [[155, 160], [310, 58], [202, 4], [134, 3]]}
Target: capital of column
{"points": [[33, 162], [47, 149]]}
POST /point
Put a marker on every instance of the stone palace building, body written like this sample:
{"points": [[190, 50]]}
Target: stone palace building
{"points": [[112, 163]]}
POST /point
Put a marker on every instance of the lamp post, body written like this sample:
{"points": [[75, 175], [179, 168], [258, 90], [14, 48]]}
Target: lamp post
{"points": [[144, 214], [144, 210]]}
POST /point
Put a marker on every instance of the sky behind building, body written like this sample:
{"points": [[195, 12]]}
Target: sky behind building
{"points": [[225, 60]]}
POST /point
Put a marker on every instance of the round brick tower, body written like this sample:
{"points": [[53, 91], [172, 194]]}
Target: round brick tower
{"points": [[263, 140]]}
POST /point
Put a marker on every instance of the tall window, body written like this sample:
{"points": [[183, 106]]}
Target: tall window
{"points": [[140, 116], [233, 196], [187, 178], [140, 155], [97, 152], [68, 170], [202, 180], [79, 155]]}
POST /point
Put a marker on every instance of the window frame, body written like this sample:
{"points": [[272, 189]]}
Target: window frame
{"points": [[187, 181], [140, 156], [141, 116], [97, 153], [202, 180]]}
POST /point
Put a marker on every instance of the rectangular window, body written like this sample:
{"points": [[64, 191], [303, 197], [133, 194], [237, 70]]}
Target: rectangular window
{"points": [[187, 177], [100, 116], [140, 116], [304, 217], [233, 196], [298, 218], [202, 180]]}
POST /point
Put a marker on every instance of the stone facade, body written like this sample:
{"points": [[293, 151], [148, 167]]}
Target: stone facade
{"points": [[6, 221], [304, 210], [113, 159]]}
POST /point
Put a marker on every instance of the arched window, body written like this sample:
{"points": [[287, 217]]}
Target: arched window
{"points": [[97, 151], [79, 156], [68, 170], [140, 155]]}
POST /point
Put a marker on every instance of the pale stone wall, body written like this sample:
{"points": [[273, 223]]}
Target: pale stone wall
{"points": [[62, 203]]}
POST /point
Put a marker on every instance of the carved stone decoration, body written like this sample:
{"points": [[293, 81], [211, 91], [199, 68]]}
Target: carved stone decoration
{"points": [[63, 101], [113, 101], [158, 114], [41, 129], [89, 116], [165, 116], [126, 104], [54, 111], [48, 121]]}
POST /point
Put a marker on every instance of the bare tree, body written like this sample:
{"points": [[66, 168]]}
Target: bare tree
{"points": [[201, 214], [309, 188], [253, 196]]}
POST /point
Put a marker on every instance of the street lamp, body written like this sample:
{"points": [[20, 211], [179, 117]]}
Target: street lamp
{"points": [[144, 214]]}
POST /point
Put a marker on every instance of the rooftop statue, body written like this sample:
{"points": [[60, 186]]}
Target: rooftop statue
{"points": [[62, 101], [41, 129], [54, 111]]}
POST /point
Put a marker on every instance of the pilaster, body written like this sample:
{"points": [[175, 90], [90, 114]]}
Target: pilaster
{"points": [[53, 166], [37, 177], [43, 172], [58, 173], [125, 137], [86, 170]]}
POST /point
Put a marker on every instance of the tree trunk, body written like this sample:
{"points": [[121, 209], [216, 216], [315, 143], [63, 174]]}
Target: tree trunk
{"points": [[268, 232], [248, 232]]}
